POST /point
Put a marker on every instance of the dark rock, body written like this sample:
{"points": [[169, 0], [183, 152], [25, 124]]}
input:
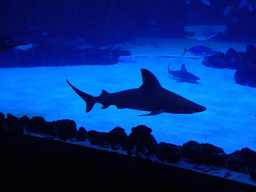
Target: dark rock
{"points": [[115, 147], [227, 175], [235, 162], [116, 136], [2, 121], [81, 134], [246, 73], [252, 75], [119, 52], [44, 54], [8, 59], [191, 151], [249, 157], [244, 62], [246, 76], [39, 125], [170, 153], [213, 155], [66, 129], [249, 57], [13, 124], [216, 61], [233, 58], [67, 49], [128, 147], [250, 50], [241, 77], [231, 53], [52, 53], [97, 138], [24, 121], [203, 153], [35, 124], [252, 174], [141, 130], [145, 142]]}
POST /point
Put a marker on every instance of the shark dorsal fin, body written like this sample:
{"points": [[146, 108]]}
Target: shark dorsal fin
{"points": [[183, 68], [104, 93], [149, 80]]}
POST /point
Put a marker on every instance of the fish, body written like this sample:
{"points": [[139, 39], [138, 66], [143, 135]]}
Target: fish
{"points": [[7, 43], [242, 4], [199, 50], [187, 1], [203, 34], [45, 33], [183, 75], [25, 47], [227, 10], [206, 2], [150, 96], [249, 7]]}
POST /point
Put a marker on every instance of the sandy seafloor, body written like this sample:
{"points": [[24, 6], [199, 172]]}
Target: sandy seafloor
{"points": [[229, 121]]}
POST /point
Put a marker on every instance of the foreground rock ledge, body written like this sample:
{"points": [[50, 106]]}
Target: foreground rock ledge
{"points": [[140, 143]]}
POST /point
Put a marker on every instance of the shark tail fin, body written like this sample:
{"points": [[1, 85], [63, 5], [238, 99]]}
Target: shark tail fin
{"points": [[90, 100], [185, 50]]}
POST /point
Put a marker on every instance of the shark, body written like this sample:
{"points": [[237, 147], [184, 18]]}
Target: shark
{"points": [[183, 75], [150, 96]]}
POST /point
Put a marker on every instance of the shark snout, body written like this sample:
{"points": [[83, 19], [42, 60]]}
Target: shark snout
{"points": [[199, 108], [192, 108]]}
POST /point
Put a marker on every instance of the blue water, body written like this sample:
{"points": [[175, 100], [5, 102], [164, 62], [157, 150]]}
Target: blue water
{"points": [[104, 22], [68, 33]]}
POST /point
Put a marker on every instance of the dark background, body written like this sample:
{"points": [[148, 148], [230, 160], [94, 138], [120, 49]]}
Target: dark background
{"points": [[101, 22]]}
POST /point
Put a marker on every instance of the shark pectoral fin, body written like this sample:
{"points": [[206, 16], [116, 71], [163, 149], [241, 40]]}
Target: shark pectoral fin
{"points": [[103, 94], [154, 112], [104, 106]]}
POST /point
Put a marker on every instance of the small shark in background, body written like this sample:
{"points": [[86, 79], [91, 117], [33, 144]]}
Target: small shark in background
{"points": [[183, 75], [7, 43], [150, 96]]}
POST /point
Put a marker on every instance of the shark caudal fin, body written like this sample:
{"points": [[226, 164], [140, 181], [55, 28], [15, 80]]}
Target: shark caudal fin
{"points": [[90, 101]]}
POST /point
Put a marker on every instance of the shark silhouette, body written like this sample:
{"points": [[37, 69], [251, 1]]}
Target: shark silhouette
{"points": [[183, 75], [150, 96]]}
